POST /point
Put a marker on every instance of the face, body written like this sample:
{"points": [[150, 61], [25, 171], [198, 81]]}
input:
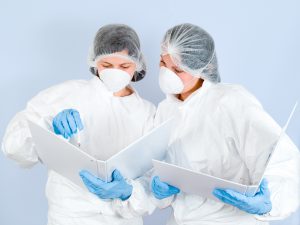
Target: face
{"points": [[188, 80], [115, 62]]}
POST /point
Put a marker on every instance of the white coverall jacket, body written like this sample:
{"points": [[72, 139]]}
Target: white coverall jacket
{"points": [[110, 124], [224, 131]]}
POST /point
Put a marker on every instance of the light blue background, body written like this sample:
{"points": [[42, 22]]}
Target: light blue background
{"points": [[46, 42]]}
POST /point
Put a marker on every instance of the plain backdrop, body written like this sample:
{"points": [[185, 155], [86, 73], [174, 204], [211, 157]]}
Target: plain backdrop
{"points": [[43, 43]]}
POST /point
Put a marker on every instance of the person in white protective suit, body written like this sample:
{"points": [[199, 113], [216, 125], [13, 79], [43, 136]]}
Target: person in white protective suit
{"points": [[222, 130], [109, 114]]}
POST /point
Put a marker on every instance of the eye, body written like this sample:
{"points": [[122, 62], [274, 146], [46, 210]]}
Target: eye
{"points": [[178, 71], [162, 62], [125, 67], [106, 66]]}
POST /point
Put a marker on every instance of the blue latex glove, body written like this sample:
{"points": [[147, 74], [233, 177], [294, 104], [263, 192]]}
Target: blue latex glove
{"points": [[117, 188], [67, 122], [259, 204], [161, 189]]}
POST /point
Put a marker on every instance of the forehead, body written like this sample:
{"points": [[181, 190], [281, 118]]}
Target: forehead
{"points": [[116, 58]]}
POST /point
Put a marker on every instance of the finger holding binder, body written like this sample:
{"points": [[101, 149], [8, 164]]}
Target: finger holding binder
{"points": [[117, 188], [161, 189], [68, 123], [258, 204]]}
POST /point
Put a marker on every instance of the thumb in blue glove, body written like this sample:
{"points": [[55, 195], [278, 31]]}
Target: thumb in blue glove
{"points": [[117, 188], [161, 189], [258, 204]]}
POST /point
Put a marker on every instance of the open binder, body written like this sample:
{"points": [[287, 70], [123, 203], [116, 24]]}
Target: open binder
{"points": [[67, 159]]}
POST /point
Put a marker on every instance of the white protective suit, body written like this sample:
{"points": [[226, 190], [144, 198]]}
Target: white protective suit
{"points": [[224, 131], [110, 124]]}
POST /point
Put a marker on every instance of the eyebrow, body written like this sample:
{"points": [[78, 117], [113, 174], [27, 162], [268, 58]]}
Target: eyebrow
{"points": [[106, 63], [122, 64], [174, 67], [177, 68], [161, 59], [130, 63]]}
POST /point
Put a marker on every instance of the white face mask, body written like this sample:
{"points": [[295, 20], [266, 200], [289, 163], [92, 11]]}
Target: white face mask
{"points": [[169, 82], [114, 79]]}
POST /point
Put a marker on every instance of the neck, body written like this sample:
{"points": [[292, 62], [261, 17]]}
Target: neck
{"points": [[124, 92], [186, 94]]}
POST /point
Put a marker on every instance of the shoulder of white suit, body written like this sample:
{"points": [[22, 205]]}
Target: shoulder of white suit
{"points": [[223, 94], [149, 105], [233, 96], [164, 103], [67, 88]]}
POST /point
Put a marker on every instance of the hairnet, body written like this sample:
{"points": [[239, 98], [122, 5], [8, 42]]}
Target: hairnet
{"points": [[193, 50], [114, 38]]}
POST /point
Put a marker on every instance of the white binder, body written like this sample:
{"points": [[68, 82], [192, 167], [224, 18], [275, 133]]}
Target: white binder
{"points": [[203, 184], [132, 161]]}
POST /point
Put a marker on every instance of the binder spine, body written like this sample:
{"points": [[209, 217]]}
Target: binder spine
{"points": [[106, 173]]}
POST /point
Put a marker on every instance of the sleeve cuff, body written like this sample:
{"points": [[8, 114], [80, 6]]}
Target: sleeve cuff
{"points": [[138, 204]]}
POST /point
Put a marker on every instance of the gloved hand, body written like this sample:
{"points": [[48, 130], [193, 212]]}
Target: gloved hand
{"points": [[117, 188], [259, 204], [161, 189], [67, 122]]}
